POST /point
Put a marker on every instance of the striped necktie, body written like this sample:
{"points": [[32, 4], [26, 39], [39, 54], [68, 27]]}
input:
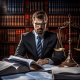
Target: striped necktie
{"points": [[39, 47]]}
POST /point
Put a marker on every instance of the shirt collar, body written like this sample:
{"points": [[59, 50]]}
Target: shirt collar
{"points": [[42, 35]]}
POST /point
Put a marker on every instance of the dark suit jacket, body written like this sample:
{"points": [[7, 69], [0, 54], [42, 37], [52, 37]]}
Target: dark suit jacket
{"points": [[27, 44]]}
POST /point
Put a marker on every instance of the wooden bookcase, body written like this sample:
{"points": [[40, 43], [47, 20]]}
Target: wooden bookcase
{"points": [[12, 25]]}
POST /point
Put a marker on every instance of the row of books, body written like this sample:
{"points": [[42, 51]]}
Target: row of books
{"points": [[7, 49], [49, 6], [12, 6], [12, 20], [63, 34], [64, 6], [13, 34], [58, 20]]}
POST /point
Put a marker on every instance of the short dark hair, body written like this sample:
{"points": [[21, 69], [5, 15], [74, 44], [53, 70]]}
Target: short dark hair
{"points": [[40, 15]]}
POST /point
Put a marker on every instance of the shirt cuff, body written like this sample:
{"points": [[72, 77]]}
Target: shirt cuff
{"points": [[50, 61]]}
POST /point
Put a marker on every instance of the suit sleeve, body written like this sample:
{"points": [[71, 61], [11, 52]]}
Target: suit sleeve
{"points": [[20, 50]]}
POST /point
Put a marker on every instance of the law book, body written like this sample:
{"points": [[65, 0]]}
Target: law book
{"points": [[46, 6], [27, 6], [49, 6], [26, 30], [20, 6], [21, 20], [15, 64], [42, 5], [26, 20], [13, 6]]}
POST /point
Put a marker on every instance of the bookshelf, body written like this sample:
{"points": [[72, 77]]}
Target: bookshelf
{"points": [[16, 18]]}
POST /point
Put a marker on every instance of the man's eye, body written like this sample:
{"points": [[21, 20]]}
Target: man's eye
{"points": [[37, 23]]}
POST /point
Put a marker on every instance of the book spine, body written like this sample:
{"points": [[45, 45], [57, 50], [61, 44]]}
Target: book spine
{"points": [[20, 6], [13, 20], [49, 6], [36, 6], [54, 3], [17, 9], [53, 21], [46, 6], [26, 29], [5, 21], [26, 19], [39, 5], [18, 21], [12, 6], [8, 20], [15, 6], [8, 10], [60, 7], [30, 6], [52, 7], [42, 8], [27, 7], [49, 20], [23, 20]]}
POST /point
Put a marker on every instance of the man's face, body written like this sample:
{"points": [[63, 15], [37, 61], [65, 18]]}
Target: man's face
{"points": [[39, 26]]}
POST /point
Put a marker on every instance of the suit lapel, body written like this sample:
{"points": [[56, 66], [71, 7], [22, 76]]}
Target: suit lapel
{"points": [[33, 44], [46, 38]]}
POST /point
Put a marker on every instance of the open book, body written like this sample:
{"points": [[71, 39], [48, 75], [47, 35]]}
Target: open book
{"points": [[15, 64]]}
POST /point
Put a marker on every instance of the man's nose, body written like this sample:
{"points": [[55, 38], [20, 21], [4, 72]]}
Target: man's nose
{"points": [[40, 26]]}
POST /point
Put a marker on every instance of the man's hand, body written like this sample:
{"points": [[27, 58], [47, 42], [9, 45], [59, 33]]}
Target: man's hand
{"points": [[43, 61]]}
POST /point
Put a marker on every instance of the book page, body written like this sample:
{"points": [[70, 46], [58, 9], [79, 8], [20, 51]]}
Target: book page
{"points": [[4, 65], [48, 66]]}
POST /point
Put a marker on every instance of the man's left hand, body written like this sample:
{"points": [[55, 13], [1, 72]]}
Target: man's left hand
{"points": [[43, 61]]}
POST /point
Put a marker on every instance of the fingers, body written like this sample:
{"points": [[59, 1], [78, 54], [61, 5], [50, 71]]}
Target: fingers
{"points": [[41, 61]]}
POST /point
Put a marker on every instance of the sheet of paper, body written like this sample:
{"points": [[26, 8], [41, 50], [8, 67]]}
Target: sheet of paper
{"points": [[48, 66]]}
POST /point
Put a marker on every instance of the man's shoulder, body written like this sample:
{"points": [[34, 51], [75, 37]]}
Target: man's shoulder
{"points": [[27, 34]]}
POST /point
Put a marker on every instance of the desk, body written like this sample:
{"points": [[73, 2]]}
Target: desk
{"points": [[62, 76]]}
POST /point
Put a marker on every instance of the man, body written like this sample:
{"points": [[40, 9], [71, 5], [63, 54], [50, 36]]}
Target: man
{"points": [[39, 43]]}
